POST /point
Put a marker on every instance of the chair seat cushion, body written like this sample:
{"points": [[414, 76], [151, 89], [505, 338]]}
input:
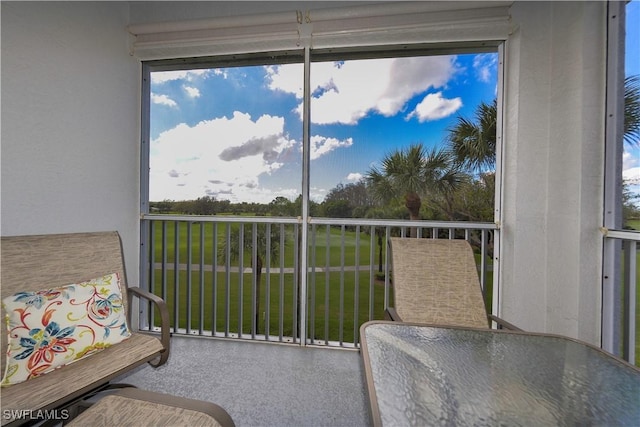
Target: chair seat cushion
{"points": [[77, 379], [137, 408]]}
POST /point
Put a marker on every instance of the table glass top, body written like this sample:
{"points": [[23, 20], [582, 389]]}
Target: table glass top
{"points": [[441, 376]]}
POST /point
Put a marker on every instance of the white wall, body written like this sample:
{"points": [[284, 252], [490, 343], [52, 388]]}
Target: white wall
{"points": [[70, 114], [553, 168]]}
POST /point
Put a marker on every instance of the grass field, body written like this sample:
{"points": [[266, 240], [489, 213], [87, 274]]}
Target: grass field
{"points": [[219, 230], [195, 303]]}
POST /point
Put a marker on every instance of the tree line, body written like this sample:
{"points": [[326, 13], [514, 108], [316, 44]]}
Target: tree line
{"points": [[472, 202]]}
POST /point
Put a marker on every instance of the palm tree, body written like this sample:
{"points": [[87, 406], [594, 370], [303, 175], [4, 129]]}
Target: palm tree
{"points": [[473, 142], [412, 173], [631, 134], [267, 237]]}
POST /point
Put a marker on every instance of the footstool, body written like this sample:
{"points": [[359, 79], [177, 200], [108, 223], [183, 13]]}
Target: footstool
{"points": [[135, 407]]}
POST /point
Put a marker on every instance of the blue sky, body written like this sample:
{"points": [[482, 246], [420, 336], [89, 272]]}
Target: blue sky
{"points": [[236, 133], [631, 159]]}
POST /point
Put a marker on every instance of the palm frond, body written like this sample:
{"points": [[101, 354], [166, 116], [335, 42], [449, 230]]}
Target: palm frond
{"points": [[631, 134], [473, 143]]}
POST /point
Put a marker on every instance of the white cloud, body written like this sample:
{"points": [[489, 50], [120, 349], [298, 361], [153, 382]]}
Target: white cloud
{"points": [[220, 72], [631, 169], [223, 157], [434, 107], [317, 194], [287, 78], [321, 145], [345, 92], [485, 65], [631, 174], [193, 92], [163, 100], [354, 176], [630, 160], [159, 77]]}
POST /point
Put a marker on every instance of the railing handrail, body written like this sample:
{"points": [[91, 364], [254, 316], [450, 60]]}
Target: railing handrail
{"points": [[621, 234], [222, 218], [325, 221]]}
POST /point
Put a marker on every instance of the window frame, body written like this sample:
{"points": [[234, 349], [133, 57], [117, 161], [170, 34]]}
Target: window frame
{"points": [[310, 56]]}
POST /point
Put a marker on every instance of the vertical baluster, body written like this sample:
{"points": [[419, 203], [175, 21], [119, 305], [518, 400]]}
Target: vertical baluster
{"points": [[267, 301], [629, 302], [214, 276], [255, 315], [176, 276], [327, 282], [342, 243], [312, 303], [356, 288], [296, 280], [201, 283], [483, 263], [152, 270], [227, 271], [373, 246], [387, 263], [281, 294], [189, 275], [163, 266], [240, 278]]}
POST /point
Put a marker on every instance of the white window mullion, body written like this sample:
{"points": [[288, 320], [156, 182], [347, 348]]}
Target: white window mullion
{"points": [[497, 238], [614, 127], [145, 141], [306, 160]]}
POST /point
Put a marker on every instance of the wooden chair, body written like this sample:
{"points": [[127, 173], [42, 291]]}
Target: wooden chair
{"points": [[435, 281]]}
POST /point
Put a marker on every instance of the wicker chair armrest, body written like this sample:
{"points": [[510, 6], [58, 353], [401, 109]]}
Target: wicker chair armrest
{"points": [[165, 328], [503, 324], [390, 313]]}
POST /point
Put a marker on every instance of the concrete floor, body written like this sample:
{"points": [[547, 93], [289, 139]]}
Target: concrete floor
{"points": [[263, 384]]}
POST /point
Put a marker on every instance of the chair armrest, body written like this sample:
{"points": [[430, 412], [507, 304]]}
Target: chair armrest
{"points": [[165, 328], [391, 314], [503, 324]]}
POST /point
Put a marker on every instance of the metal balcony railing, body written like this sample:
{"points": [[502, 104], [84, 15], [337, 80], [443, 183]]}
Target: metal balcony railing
{"points": [[241, 277], [621, 311]]}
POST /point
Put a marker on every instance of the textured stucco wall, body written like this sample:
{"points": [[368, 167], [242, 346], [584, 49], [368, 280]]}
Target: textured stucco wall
{"points": [[554, 168], [70, 120]]}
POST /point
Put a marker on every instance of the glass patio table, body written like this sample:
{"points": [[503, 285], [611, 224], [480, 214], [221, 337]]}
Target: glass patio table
{"points": [[424, 375]]}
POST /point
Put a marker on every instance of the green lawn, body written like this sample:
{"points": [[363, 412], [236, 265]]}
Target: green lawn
{"points": [[231, 296], [220, 230]]}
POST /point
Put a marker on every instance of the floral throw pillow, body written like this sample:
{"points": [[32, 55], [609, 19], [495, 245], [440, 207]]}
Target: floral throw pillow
{"points": [[54, 327]]}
